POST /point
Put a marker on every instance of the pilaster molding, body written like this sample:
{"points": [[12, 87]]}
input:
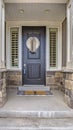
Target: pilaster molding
{"points": [[0, 31], [2, 34]]}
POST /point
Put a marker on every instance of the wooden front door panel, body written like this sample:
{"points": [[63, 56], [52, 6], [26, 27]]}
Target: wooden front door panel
{"points": [[33, 64]]}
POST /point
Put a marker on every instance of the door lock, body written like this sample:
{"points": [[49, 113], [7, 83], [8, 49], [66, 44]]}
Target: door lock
{"points": [[24, 65]]}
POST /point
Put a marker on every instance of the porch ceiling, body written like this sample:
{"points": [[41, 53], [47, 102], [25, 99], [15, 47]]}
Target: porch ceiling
{"points": [[35, 11]]}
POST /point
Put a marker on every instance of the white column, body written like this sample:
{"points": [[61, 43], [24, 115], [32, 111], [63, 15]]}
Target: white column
{"points": [[3, 36], [68, 33], [0, 33], [72, 30]]}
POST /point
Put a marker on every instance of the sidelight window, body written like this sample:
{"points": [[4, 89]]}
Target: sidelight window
{"points": [[53, 47], [14, 46]]}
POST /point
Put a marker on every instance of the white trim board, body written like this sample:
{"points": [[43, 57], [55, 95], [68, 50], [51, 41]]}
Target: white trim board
{"points": [[36, 1]]}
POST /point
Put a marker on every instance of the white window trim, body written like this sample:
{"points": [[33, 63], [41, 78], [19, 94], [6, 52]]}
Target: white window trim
{"points": [[56, 48], [59, 49], [8, 49]]}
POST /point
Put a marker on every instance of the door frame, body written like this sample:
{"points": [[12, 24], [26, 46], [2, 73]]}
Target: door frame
{"points": [[23, 81]]}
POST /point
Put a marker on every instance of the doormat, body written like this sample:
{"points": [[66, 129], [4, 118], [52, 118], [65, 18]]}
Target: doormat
{"points": [[34, 91]]}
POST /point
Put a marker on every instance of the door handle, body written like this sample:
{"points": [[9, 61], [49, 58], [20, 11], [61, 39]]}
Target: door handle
{"points": [[24, 68], [24, 71]]}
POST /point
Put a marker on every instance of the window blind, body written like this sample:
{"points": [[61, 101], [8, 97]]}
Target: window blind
{"points": [[53, 46], [14, 46]]}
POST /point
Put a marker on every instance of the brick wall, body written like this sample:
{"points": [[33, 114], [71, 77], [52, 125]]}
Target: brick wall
{"points": [[69, 89], [14, 78], [55, 80], [3, 96]]}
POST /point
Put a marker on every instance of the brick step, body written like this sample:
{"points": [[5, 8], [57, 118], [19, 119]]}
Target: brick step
{"points": [[39, 114], [36, 124]]}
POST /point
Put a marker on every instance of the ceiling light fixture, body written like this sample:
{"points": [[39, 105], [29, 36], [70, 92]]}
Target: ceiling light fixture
{"points": [[46, 11], [21, 11]]}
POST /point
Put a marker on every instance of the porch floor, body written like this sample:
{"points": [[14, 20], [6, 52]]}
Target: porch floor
{"points": [[54, 102], [28, 109]]}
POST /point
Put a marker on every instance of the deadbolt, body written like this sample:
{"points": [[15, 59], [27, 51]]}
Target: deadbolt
{"points": [[24, 65]]}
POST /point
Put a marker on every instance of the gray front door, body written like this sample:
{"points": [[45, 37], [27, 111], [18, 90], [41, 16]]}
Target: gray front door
{"points": [[33, 60]]}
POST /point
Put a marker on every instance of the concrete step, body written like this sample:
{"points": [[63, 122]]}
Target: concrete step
{"points": [[36, 124], [39, 114], [41, 128]]}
